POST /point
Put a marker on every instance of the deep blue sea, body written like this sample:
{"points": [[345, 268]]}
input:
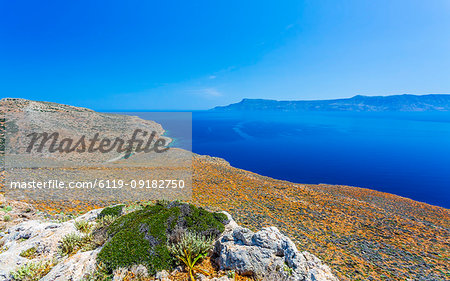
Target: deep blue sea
{"points": [[407, 154]]}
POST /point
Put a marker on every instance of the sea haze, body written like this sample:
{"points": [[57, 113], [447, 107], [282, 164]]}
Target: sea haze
{"points": [[404, 153]]}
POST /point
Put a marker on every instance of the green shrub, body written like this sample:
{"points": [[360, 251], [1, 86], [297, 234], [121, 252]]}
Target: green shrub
{"points": [[83, 226], [191, 244], [231, 274], [88, 243], [141, 237], [71, 243], [288, 269], [191, 249], [32, 271], [111, 211], [7, 209], [29, 253], [3, 248], [98, 236], [6, 218], [104, 221], [201, 221], [133, 207]]}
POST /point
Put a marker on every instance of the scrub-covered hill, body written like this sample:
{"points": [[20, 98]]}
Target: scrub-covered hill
{"points": [[360, 233]]}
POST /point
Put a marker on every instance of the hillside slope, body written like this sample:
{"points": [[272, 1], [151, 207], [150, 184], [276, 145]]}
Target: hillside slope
{"points": [[360, 233]]}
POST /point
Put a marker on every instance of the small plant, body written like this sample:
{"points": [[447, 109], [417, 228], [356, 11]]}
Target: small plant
{"points": [[29, 253], [132, 207], [3, 248], [71, 243], [6, 218], [62, 217], [105, 221], [87, 243], [7, 209], [162, 202], [32, 271], [83, 226], [288, 269], [231, 274], [191, 249]]}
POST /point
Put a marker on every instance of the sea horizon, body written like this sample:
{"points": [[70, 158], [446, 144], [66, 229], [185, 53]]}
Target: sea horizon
{"points": [[397, 171]]}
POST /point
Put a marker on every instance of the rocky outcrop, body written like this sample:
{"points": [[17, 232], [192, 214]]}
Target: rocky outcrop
{"points": [[44, 238], [267, 254], [74, 267]]}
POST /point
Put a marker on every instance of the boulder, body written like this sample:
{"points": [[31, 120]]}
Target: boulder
{"points": [[162, 276], [268, 255]]}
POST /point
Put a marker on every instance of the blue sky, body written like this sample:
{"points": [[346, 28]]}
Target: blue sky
{"points": [[135, 55]]}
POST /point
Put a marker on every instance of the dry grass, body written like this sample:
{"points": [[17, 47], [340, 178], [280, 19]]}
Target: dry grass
{"points": [[208, 266], [359, 233]]}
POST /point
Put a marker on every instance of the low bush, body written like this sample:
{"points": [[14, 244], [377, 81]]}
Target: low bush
{"points": [[6, 209], [104, 221], [111, 211], [141, 237], [191, 248], [3, 248], [73, 242], [29, 253], [32, 271], [83, 226]]}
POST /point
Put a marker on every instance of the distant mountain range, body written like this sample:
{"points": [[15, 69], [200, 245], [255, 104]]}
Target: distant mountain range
{"points": [[357, 103]]}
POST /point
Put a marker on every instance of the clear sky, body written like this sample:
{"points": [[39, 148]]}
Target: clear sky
{"points": [[137, 55]]}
